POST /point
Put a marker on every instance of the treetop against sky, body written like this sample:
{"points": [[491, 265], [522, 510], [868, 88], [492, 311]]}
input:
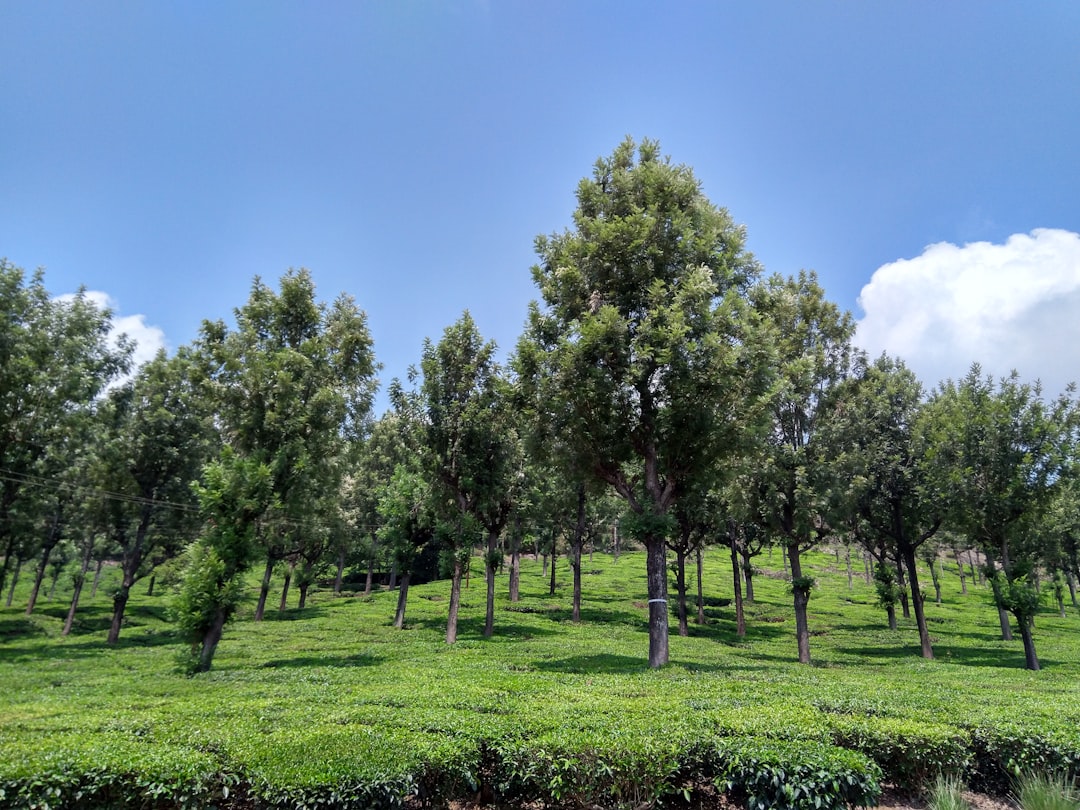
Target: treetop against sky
{"points": [[922, 161]]}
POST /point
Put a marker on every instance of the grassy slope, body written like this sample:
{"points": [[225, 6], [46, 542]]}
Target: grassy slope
{"points": [[334, 695]]}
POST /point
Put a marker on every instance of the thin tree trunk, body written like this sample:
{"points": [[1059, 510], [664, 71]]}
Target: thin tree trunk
{"points": [[615, 535], [14, 580], [801, 593], [455, 601], [130, 563], [917, 600], [1031, 660], [515, 560], [551, 571], [490, 565], [285, 586], [740, 616], [901, 580], [748, 578], [680, 589], [150, 590], [890, 611], [656, 569], [784, 560], [544, 570], [866, 568], [303, 589], [370, 574], [1003, 617], [264, 590], [1061, 604], [847, 555], [1072, 586], [393, 575], [339, 577], [963, 576], [77, 590], [700, 592], [39, 577], [402, 598]]}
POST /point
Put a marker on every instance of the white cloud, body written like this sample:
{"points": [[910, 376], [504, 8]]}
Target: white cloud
{"points": [[1011, 306], [148, 339]]}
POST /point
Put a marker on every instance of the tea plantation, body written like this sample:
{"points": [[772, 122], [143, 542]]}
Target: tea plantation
{"points": [[332, 707]]}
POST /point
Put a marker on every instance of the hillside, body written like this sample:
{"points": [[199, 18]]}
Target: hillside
{"points": [[331, 706]]}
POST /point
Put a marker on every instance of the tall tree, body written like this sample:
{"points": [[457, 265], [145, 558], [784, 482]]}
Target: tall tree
{"points": [[159, 440], [644, 348], [55, 358], [472, 448], [873, 427], [293, 383], [793, 476], [999, 449], [234, 493]]}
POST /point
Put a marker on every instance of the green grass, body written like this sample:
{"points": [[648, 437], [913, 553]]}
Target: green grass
{"points": [[332, 701]]}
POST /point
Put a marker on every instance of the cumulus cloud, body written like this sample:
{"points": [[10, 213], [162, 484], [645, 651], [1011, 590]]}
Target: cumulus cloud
{"points": [[1006, 306], [148, 339]]}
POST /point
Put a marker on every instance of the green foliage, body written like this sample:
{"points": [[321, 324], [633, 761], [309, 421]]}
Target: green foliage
{"points": [[206, 587], [909, 752], [796, 775], [888, 589]]}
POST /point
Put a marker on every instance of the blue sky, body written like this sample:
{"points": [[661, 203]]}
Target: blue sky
{"points": [[408, 153]]}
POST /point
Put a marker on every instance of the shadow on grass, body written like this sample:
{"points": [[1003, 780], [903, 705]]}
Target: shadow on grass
{"points": [[964, 656], [612, 664], [358, 660]]}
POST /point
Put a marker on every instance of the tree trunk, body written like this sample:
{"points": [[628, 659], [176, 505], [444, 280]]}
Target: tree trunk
{"points": [[890, 611], [1031, 660], [748, 578], [847, 555], [1003, 617], [1061, 605], [740, 616], [150, 590], [393, 576], [656, 569], [77, 590], [340, 575], [801, 593], [917, 600], [455, 601], [402, 598], [303, 588], [551, 571], [264, 590], [680, 588], [119, 604], [901, 580], [866, 568], [1072, 586], [700, 592], [575, 552], [784, 560], [544, 569], [615, 535], [490, 566], [515, 561], [210, 641], [97, 578], [963, 576], [285, 586], [132, 559], [15, 581], [39, 577], [370, 574]]}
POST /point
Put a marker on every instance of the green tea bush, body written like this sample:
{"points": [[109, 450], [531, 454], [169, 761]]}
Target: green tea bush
{"points": [[789, 775], [1003, 752], [911, 754]]}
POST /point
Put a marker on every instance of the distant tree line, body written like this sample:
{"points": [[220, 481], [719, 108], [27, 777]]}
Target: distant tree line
{"points": [[664, 390]]}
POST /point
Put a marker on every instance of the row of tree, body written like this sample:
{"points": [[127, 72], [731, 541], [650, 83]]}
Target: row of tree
{"points": [[661, 383]]}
